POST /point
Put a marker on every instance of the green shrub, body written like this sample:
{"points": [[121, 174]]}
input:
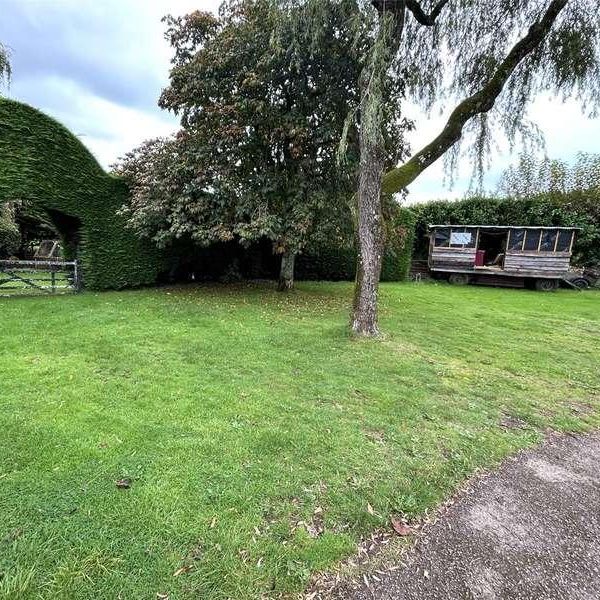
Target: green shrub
{"points": [[333, 263], [10, 237], [44, 164]]}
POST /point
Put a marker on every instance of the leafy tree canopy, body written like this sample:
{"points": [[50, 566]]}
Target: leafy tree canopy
{"points": [[448, 49], [262, 116]]}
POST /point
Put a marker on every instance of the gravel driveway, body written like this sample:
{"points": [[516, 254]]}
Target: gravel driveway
{"points": [[528, 531]]}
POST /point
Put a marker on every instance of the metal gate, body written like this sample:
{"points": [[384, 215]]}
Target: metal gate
{"points": [[23, 277]]}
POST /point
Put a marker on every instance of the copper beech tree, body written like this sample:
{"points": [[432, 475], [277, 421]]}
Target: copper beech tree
{"points": [[497, 55], [261, 119]]}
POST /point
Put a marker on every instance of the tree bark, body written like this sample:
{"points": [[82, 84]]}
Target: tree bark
{"points": [[286, 273], [370, 233], [370, 230]]}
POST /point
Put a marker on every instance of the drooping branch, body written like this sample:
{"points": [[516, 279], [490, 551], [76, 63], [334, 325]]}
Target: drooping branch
{"points": [[481, 102], [421, 16]]}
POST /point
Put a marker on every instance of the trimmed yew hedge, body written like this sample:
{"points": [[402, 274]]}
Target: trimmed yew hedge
{"points": [[44, 164], [339, 264]]}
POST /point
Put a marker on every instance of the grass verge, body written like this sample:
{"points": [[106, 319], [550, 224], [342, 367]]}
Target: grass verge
{"points": [[260, 442]]}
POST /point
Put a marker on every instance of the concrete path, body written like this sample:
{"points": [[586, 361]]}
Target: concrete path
{"points": [[529, 531]]}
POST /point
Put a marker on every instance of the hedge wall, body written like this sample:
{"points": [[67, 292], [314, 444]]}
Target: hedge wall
{"points": [[42, 163], [574, 209], [47, 167], [339, 264]]}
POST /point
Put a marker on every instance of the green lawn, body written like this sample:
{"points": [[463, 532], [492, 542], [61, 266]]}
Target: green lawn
{"points": [[246, 420], [18, 287]]}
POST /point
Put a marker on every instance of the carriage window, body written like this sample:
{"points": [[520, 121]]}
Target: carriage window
{"points": [[442, 237], [462, 237], [532, 239], [548, 240], [516, 240], [564, 241]]}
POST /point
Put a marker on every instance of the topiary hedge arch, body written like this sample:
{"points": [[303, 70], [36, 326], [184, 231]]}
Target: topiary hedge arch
{"points": [[43, 163]]}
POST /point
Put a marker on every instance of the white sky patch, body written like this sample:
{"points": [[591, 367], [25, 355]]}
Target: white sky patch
{"points": [[123, 128], [567, 131], [98, 67]]}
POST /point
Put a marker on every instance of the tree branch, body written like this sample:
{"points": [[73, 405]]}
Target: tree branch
{"points": [[421, 16], [481, 102]]}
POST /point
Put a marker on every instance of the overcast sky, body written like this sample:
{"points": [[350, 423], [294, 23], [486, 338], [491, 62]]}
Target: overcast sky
{"points": [[98, 67]]}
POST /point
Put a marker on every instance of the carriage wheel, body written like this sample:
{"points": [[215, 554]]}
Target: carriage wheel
{"points": [[546, 285], [459, 279], [580, 282]]}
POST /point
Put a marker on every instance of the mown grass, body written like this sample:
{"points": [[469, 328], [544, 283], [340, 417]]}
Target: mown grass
{"points": [[30, 282], [247, 421]]}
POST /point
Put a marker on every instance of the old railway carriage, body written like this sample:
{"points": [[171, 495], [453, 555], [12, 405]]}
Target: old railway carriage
{"points": [[496, 255]]}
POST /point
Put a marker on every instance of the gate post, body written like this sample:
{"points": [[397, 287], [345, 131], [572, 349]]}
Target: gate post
{"points": [[76, 277]]}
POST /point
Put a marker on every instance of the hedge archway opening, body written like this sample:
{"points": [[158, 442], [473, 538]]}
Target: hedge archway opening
{"points": [[69, 230]]}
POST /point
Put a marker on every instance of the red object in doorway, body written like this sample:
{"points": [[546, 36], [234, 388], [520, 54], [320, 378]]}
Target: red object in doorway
{"points": [[480, 258]]}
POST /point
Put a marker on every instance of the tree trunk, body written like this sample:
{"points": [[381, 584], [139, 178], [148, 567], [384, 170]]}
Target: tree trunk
{"points": [[370, 232], [286, 273], [372, 162]]}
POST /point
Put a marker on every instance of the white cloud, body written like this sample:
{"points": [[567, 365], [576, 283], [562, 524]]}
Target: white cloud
{"points": [[567, 131], [98, 67]]}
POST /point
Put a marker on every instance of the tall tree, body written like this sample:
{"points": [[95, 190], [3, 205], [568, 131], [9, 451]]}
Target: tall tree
{"points": [[261, 117], [532, 176], [497, 54], [5, 68]]}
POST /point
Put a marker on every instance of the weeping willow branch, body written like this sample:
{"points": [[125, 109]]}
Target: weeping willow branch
{"points": [[479, 103], [421, 16]]}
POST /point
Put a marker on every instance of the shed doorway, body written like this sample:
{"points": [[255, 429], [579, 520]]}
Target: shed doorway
{"points": [[493, 245]]}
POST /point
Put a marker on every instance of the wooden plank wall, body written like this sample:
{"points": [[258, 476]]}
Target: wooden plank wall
{"points": [[453, 257], [537, 262]]}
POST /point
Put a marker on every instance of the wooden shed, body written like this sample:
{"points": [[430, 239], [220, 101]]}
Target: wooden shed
{"points": [[500, 255]]}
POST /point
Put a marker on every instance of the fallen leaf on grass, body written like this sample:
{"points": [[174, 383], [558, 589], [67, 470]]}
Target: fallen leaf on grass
{"points": [[401, 528], [182, 570], [123, 484], [370, 509], [160, 596]]}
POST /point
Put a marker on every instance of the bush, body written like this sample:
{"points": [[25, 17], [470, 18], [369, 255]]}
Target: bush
{"points": [[332, 263], [10, 237]]}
